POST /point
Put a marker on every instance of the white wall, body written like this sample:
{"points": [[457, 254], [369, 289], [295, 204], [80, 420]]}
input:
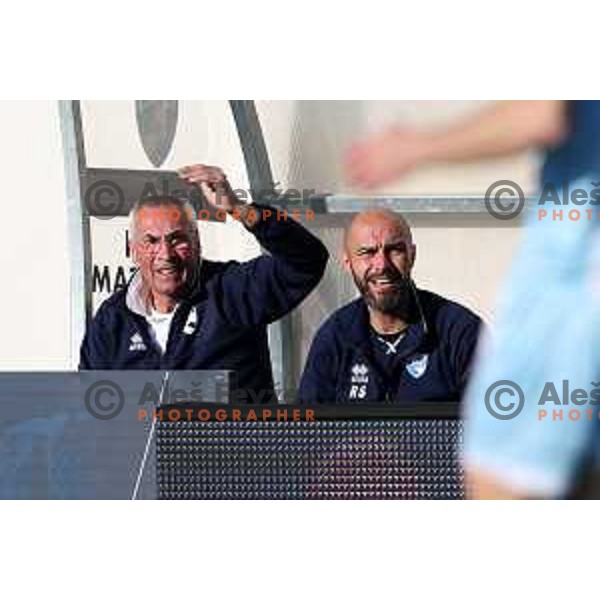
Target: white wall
{"points": [[464, 259], [35, 312]]}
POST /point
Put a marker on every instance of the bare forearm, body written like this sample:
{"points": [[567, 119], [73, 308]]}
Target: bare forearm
{"points": [[504, 128]]}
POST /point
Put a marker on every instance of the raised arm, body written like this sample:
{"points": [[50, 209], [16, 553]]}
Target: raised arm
{"points": [[503, 128], [266, 288]]}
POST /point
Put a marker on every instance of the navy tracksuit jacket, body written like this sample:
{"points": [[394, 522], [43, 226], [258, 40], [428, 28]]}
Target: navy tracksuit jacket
{"points": [[432, 362], [223, 324]]}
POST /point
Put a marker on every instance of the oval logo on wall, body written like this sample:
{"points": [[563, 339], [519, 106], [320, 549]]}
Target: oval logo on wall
{"points": [[157, 123]]}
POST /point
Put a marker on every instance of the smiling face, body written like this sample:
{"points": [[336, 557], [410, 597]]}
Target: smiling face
{"points": [[166, 249], [380, 254]]}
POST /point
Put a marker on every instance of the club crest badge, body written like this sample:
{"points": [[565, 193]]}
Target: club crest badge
{"points": [[191, 323], [417, 367]]}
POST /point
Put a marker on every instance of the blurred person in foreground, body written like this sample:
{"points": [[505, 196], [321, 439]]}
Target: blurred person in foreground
{"points": [[547, 327]]}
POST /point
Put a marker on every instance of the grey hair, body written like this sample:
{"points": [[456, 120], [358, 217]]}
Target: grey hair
{"points": [[182, 204]]}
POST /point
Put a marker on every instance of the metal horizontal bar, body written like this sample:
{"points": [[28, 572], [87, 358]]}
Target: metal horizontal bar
{"points": [[410, 204]]}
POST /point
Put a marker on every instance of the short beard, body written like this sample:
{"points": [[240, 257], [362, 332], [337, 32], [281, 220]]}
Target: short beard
{"points": [[397, 303]]}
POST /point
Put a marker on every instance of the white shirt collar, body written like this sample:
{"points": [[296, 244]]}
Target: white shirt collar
{"points": [[136, 298]]}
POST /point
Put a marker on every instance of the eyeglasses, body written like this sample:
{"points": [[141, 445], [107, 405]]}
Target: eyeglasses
{"points": [[178, 240]]}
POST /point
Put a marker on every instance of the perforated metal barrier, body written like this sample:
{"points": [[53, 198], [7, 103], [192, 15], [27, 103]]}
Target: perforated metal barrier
{"points": [[330, 458], [66, 435]]}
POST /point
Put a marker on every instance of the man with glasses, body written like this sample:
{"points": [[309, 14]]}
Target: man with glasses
{"points": [[180, 311]]}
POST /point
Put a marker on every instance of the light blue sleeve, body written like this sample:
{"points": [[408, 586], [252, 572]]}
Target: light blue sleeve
{"points": [[547, 329]]}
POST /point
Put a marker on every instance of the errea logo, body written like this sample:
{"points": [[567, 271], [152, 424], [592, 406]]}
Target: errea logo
{"points": [[136, 343], [359, 381], [360, 373]]}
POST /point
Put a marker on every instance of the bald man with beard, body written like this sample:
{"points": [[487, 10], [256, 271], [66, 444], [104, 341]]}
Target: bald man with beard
{"points": [[396, 344]]}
